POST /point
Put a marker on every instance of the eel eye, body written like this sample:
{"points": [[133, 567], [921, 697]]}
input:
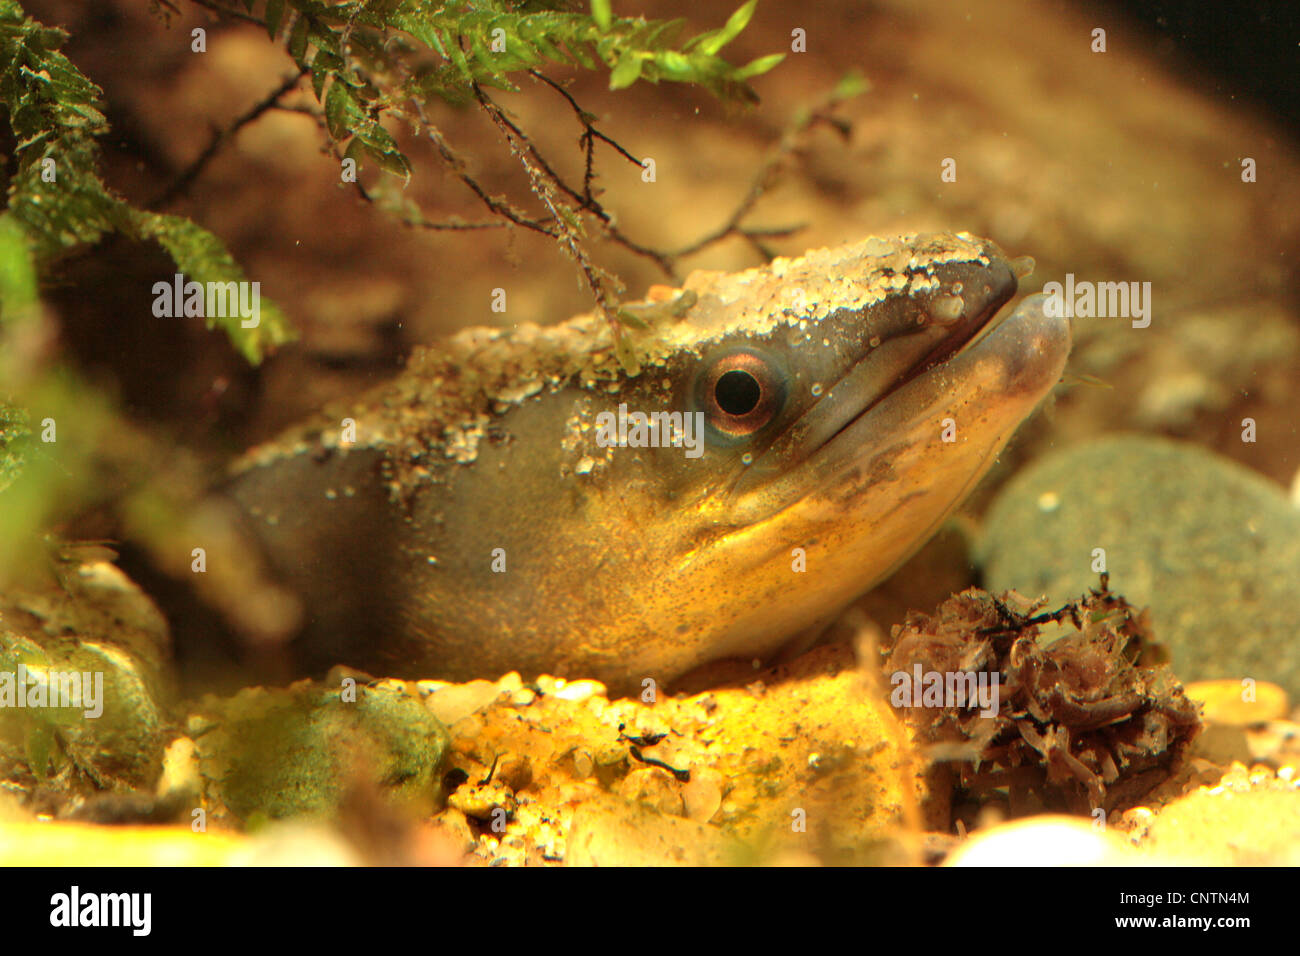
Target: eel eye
{"points": [[740, 393]]}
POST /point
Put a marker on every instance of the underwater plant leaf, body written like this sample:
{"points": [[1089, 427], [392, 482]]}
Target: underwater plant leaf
{"points": [[713, 41], [56, 197], [627, 72], [533, 37], [17, 272], [203, 258], [759, 66]]}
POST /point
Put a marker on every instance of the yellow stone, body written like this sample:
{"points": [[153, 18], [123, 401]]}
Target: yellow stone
{"points": [[1239, 703]]}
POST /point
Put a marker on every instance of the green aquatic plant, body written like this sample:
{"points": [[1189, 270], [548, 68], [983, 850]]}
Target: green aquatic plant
{"points": [[372, 59], [363, 59], [56, 195]]}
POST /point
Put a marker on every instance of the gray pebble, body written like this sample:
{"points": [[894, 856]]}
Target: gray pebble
{"points": [[1212, 547]]}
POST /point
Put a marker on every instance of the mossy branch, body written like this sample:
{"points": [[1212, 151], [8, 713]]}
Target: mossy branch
{"points": [[352, 48], [364, 59]]}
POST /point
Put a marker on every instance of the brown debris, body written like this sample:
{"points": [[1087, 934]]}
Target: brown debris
{"points": [[1096, 719]]}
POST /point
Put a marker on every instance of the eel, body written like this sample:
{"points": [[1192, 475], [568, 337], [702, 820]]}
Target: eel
{"points": [[480, 514]]}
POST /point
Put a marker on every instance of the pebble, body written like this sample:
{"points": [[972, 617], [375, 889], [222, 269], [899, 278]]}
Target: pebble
{"points": [[454, 701], [1237, 703], [516, 772], [1210, 546], [577, 690], [297, 751], [1047, 840], [702, 796]]}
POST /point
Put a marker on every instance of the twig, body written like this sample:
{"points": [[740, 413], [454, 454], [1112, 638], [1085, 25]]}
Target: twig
{"points": [[498, 206], [588, 202], [545, 181], [538, 175], [219, 139], [667, 261], [582, 114], [762, 182], [454, 224], [229, 12]]}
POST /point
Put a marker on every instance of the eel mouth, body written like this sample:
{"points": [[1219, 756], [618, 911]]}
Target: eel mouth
{"points": [[963, 334], [997, 365], [1008, 360], [968, 329], [878, 376], [960, 337]]}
